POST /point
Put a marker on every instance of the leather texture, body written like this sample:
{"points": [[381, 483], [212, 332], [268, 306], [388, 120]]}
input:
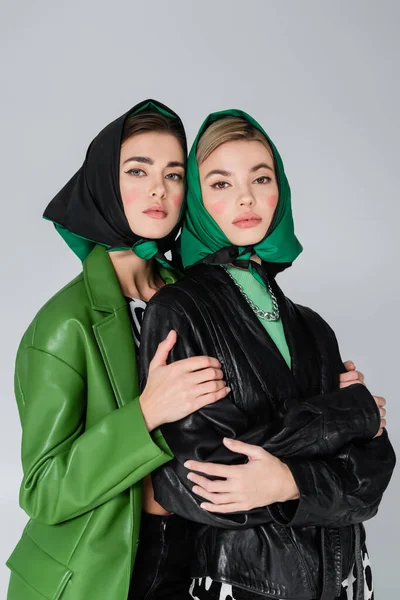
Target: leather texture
{"points": [[325, 435], [85, 445]]}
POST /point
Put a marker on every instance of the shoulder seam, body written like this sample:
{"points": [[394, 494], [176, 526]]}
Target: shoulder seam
{"points": [[30, 347]]}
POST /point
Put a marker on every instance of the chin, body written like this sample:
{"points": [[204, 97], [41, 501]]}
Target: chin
{"points": [[246, 240], [154, 232]]}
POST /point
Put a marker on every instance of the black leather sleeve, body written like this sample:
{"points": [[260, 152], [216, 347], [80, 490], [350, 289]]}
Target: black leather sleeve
{"points": [[340, 490], [318, 427]]}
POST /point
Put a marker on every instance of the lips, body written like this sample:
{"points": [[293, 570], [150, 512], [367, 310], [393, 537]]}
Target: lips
{"points": [[247, 220], [156, 212]]}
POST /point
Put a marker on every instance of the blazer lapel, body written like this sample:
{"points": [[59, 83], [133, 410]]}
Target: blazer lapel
{"points": [[115, 340], [113, 328]]}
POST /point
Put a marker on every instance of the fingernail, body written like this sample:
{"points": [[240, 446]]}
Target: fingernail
{"points": [[228, 441], [187, 464], [228, 389]]}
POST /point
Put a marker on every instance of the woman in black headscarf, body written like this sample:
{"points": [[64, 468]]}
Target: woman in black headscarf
{"points": [[84, 461]]}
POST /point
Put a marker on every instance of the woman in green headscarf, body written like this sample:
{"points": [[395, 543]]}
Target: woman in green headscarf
{"points": [[287, 466], [90, 438]]}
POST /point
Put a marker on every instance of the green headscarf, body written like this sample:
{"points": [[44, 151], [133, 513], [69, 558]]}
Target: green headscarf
{"points": [[202, 240]]}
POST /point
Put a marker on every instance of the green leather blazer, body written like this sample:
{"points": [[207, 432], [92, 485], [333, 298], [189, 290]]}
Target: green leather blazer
{"points": [[85, 445]]}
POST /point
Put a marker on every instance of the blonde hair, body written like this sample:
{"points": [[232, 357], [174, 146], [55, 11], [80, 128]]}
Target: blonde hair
{"points": [[228, 129]]}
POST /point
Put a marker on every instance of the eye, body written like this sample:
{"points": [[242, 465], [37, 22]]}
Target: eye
{"points": [[263, 179], [136, 172], [174, 177], [220, 185]]}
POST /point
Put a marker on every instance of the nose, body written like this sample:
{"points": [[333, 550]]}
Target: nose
{"points": [[157, 190], [246, 199]]}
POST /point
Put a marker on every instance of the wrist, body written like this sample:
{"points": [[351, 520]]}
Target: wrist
{"points": [[290, 489], [147, 412]]}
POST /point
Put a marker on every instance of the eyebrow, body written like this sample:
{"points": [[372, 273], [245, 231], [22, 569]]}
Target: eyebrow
{"points": [[141, 159], [261, 166], [218, 172], [149, 161], [175, 163], [228, 173]]}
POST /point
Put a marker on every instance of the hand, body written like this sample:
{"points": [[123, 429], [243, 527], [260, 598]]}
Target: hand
{"points": [[381, 403], [352, 376], [260, 482], [175, 391]]}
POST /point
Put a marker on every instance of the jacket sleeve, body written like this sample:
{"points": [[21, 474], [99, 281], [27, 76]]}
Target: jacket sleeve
{"points": [[340, 490], [69, 470], [199, 436]]}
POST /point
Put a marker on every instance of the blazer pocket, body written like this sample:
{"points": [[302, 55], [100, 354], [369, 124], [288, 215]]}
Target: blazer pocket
{"points": [[39, 570]]}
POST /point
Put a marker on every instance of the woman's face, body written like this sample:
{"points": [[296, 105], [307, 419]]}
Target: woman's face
{"points": [[151, 179], [240, 190]]}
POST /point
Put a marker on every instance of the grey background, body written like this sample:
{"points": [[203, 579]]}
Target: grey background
{"points": [[321, 76]]}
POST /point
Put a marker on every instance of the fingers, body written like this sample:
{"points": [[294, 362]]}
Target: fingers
{"points": [[380, 401], [210, 387], [204, 375], [196, 363], [254, 452], [210, 398], [349, 365], [352, 376], [224, 471], [218, 486], [163, 350], [224, 508], [361, 376], [215, 499]]}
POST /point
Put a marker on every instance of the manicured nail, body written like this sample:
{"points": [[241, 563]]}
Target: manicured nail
{"points": [[228, 441], [187, 464], [189, 476]]}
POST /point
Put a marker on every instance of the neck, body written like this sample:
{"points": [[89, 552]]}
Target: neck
{"points": [[136, 276]]}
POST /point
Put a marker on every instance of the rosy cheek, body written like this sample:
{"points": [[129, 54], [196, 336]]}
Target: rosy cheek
{"points": [[130, 197], [219, 207], [177, 200], [272, 200]]}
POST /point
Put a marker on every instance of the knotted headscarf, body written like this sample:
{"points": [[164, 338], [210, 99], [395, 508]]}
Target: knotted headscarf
{"points": [[202, 240], [89, 209]]}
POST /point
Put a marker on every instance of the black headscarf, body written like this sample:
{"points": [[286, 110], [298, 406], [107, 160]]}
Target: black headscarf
{"points": [[89, 209]]}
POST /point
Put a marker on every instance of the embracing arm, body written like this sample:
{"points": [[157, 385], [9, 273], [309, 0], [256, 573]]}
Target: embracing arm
{"points": [[69, 470]]}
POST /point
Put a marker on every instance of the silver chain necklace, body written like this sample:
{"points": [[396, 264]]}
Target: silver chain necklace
{"points": [[262, 314]]}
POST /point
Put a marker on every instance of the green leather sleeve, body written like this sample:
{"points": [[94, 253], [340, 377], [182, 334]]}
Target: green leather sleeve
{"points": [[69, 470]]}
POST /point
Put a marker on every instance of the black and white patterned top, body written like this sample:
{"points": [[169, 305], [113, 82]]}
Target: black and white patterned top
{"points": [[136, 312]]}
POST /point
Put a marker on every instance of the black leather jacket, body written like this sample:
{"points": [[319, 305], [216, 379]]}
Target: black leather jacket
{"points": [[299, 549]]}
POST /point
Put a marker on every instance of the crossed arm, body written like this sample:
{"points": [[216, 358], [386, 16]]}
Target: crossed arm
{"points": [[333, 479]]}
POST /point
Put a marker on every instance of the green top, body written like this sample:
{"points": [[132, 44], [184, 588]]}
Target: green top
{"points": [[261, 297]]}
